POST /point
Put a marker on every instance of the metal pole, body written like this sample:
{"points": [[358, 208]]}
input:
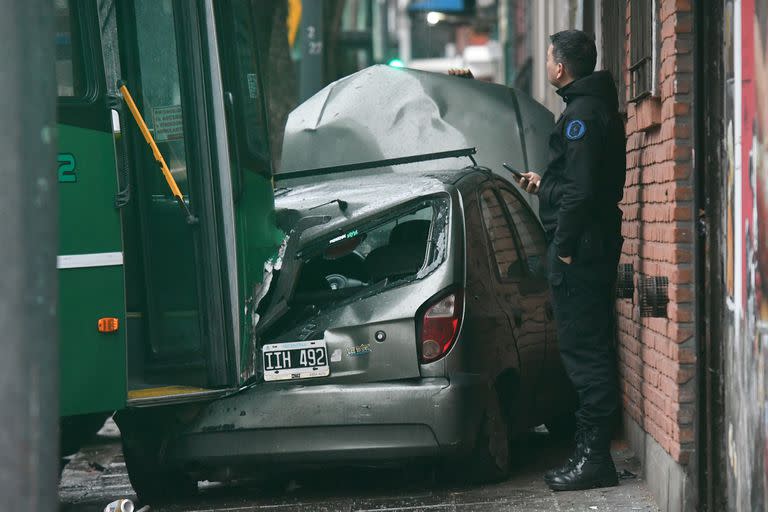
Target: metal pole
{"points": [[28, 282], [312, 49], [380, 30], [507, 40], [404, 31]]}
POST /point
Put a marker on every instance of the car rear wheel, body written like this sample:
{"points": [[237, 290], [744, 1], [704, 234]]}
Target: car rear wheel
{"points": [[490, 459], [153, 480], [155, 484]]}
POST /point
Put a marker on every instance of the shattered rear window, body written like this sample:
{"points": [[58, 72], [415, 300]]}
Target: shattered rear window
{"points": [[375, 254]]}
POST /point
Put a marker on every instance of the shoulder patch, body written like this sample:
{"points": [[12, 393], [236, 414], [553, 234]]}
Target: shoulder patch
{"points": [[575, 130]]}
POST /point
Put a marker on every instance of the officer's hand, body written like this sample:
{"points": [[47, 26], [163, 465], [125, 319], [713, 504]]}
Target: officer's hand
{"points": [[529, 182], [567, 260], [461, 72]]}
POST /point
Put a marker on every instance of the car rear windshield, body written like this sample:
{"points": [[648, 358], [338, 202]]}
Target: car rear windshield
{"points": [[374, 254]]}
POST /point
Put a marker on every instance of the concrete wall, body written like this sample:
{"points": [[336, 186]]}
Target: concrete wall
{"points": [[670, 482]]}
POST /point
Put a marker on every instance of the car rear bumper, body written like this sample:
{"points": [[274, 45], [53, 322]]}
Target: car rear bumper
{"points": [[289, 423]]}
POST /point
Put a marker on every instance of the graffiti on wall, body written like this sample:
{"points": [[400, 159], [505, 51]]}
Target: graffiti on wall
{"points": [[759, 155], [746, 252]]}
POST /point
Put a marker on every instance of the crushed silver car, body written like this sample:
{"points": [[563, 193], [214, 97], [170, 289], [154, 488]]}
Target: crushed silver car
{"points": [[408, 314]]}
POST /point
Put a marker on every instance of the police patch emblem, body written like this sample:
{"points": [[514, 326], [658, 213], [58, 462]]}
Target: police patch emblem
{"points": [[575, 130]]}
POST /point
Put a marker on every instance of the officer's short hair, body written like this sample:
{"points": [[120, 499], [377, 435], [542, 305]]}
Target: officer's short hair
{"points": [[576, 51]]}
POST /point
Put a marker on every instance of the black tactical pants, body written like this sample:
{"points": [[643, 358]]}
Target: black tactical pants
{"points": [[584, 305]]}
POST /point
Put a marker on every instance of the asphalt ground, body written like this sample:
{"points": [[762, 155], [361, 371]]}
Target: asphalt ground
{"points": [[97, 476]]}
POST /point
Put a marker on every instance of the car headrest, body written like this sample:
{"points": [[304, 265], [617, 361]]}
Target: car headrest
{"points": [[410, 232], [394, 261]]}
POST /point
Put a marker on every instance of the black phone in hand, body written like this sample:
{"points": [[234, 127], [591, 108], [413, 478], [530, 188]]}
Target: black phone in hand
{"points": [[514, 171]]}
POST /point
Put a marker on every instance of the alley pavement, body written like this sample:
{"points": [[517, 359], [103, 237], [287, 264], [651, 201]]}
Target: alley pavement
{"points": [[97, 475]]}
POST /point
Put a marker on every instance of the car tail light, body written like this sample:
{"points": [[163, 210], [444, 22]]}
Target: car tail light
{"points": [[440, 326]]}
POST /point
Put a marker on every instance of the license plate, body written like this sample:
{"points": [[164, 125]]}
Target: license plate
{"points": [[296, 360]]}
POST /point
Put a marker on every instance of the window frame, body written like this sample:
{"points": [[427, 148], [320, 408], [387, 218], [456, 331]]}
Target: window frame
{"points": [[84, 16], [432, 261], [317, 243], [256, 160], [639, 60], [613, 28], [493, 188], [529, 211]]}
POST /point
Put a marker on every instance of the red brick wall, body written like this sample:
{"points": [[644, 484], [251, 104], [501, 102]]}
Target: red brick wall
{"points": [[657, 355]]}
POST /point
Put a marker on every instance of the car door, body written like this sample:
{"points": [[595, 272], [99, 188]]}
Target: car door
{"points": [[485, 322], [525, 321], [532, 277]]}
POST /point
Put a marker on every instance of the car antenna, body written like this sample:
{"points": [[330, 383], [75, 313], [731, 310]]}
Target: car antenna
{"points": [[342, 204]]}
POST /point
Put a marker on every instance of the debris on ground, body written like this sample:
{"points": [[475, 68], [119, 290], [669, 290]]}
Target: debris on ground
{"points": [[625, 474], [120, 506]]}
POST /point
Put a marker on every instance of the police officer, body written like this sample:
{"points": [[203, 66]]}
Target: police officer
{"points": [[578, 200]]}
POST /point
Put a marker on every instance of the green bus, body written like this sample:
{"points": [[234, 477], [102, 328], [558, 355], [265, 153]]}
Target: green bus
{"points": [[154, 292]]}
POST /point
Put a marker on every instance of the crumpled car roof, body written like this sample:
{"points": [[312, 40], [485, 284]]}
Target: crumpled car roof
{"points": [[383, 112], [364, 196]]}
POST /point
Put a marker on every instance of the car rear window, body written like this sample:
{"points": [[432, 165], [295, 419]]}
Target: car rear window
{"points": [[375, 253]]}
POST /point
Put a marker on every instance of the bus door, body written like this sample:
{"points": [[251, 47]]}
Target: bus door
{"points": [[180, 337], [243, 30], [91, 272]]}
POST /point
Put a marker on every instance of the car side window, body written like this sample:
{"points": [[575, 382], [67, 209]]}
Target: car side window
{"points": [[501, 237], [533, 245]]}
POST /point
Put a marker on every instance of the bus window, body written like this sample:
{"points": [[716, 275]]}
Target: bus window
{"points": [[244, 30], [173, 300], [160, 86], [70, 77]]}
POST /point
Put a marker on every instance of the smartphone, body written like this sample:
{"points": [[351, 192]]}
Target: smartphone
{"points": [[512, 170]]}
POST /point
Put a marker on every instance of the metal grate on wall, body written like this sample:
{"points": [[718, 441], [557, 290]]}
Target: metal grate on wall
{"points": [[625, 283], [654, 296]]}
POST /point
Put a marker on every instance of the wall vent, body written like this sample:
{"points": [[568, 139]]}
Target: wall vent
{"points": [[625, 284], [654, 296]]}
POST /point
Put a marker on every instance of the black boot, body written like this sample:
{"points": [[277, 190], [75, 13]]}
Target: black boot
{"points": [[593, 468], [577, 452]]}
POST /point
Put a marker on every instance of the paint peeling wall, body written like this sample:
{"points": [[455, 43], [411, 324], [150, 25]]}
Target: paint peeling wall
{"points": [[746, 252]]}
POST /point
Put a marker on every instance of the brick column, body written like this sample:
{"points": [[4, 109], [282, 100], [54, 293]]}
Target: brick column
{"points": [[657, 354]]}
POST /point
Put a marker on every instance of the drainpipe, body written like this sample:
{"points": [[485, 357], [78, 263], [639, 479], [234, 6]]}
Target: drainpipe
{"points": [[708, 460]]}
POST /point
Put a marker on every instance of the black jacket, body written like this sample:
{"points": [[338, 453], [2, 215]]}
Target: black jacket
{"points": [[584, 181]]}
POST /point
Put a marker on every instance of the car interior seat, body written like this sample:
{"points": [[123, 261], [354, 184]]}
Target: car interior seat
{"points": [[403, 255]]}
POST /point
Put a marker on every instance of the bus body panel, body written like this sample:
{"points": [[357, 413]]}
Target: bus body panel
{"points": [[91, 276]]}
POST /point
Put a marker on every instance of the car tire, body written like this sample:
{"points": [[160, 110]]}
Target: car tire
{"points": [[154, 482], [490, 459], [562, 427]]}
